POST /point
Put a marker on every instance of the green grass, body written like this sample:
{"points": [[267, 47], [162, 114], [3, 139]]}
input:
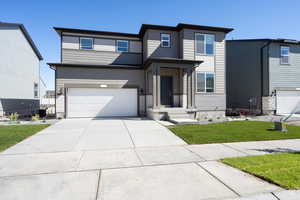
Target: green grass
{"points": [[236, 131], [281, 169], [11, 135]]}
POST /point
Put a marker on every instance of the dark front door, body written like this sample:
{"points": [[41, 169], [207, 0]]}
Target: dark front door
{"points": [[166, 87]]}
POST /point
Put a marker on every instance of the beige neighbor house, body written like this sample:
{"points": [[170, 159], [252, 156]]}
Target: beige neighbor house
{"points": [[163, 72]]}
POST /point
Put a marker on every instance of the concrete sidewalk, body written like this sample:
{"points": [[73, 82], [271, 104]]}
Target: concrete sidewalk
{"points": [[133, 171]]}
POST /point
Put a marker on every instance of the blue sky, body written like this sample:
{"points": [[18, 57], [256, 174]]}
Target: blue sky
{"points": [[250, 19]]}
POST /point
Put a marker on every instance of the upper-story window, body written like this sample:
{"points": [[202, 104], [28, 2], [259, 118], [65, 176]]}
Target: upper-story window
{"points": [[205, 43], [122, 46], [284, 55], [36, 90], [86, 43], [165, 40]]}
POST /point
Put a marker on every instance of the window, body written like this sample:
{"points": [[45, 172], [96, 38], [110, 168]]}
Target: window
{"points": [[165, 40], [284, 54], [86, 43], [204, 43], [205, 82], [122, 45], [36, 90]]}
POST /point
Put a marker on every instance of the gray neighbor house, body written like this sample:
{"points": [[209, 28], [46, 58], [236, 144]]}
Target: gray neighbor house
{"points": [[263, 75], [163, 72], [19, 71]]}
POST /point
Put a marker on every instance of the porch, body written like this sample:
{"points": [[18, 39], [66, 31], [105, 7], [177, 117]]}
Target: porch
{"points": [[170, 88]]}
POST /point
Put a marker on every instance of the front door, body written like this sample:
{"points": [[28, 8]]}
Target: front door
{"points": [[166, 94]]}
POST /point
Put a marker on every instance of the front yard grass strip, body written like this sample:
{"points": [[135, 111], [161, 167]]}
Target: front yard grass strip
{"points": [[13, 134], [235, 131], [281, 169]]}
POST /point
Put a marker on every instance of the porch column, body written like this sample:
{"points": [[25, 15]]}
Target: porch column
{"points": [[156, 86], [193, 92], [191, 89], [184, 88]]}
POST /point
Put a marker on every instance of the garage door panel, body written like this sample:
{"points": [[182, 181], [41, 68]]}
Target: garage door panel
{"points": [[84, 102], [288, 102]]}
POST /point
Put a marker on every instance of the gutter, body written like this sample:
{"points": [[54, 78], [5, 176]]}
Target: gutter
{"points": [[266, 44]]}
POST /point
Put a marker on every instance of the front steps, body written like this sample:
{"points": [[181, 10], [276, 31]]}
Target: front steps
{"points": [[174, 115]]}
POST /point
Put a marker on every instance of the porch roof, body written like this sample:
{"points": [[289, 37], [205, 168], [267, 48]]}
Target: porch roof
{"points": [[149, 61]]}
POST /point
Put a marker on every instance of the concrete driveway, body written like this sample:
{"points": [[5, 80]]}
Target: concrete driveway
{"points": [[97, 134], [134, 159]]}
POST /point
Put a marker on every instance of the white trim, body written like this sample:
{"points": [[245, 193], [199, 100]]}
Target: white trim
{"points": [[162, 40], [87, 38], [117, 46], [204, 42], [205, 73], [284, 55]]}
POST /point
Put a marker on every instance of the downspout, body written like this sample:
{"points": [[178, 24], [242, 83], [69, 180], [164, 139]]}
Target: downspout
{"points": [[266, 44]]}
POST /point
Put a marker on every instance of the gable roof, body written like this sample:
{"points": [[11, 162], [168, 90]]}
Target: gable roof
{"points": [[27, 36], [143, 29]]}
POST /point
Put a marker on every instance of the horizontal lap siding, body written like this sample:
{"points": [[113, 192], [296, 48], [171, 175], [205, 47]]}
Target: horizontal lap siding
{"points": [[211, 102], [153, 44], [282, 76], [189, 54], [100, 57]]}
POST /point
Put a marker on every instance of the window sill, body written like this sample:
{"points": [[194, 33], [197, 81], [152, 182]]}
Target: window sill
{"points": [[210, 55]]}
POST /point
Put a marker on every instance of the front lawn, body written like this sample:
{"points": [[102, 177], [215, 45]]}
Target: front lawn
{"points": [[11, 135], [281, 169], [236, 131]]}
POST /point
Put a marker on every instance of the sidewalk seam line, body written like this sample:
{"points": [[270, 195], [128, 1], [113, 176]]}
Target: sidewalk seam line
{"points": [[275, 195], [219, 180], [226, 145], [98, 185], [128, 133]]}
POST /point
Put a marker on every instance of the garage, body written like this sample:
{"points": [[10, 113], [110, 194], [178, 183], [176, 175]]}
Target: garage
{"points": [[287, 101], [101, 102]]}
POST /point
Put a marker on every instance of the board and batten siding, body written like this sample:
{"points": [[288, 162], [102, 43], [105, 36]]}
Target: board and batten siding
{"points": [[214, 63], [104, 52], [284, 76]]}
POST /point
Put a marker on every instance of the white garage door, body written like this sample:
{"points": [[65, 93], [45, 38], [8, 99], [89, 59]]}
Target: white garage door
{"points": [[288, 102], [94, 102]]}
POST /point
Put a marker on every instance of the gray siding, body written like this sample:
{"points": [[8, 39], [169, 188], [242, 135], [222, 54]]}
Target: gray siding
{"points": [[188, 52], [100, 57], [92, 78], [284, 76], [210, 102], [243, 72], [121, 77], [153, 44]]}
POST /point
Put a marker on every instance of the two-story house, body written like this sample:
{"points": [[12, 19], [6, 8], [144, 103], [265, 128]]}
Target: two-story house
{"points": [[162, 72], [263, 75], [19, 71]]}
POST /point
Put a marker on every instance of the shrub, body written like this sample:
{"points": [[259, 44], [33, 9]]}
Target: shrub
{"points": [[13, 116], [35, 117]]}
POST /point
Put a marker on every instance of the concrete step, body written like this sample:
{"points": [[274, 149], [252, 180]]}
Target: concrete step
{"points": [[179, 115], [183, 121]]}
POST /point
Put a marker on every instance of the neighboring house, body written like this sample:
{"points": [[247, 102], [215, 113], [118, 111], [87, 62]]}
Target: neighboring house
{"points": [[19, 71], [263, 75], [162, 72], [48, 102]]}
